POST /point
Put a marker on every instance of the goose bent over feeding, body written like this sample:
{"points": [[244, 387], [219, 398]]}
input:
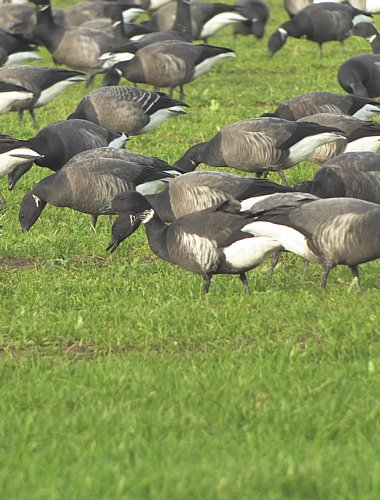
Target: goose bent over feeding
{"points": [[84, 186], [207, 242], [259, 145], [370, 33], [360, 75], [351, 175], [332, 232], [360, 136], [59, 141], [127, 109], [257, 14], [312, 103], [320, 23]]}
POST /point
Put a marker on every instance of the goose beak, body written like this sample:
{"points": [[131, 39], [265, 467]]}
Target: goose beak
{"points": [[112, 246]]}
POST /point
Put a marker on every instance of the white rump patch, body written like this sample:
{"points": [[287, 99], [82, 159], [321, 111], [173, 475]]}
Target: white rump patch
{"points": [[158, 117], [18, 156], [306, 146], [50, 93], [130, 14], [364, 144], [18, 57], [207, 64], [8, 98]]}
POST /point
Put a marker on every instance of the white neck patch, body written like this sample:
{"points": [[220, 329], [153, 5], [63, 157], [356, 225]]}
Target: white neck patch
{"points": [[147, 216], [36, 200], [370, 39]]}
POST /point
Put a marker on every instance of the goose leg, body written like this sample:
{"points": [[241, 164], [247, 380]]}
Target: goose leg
{"points": [[356, 280], [283, 178], [33, 115], [320, 50], [20, 114], [305, 269], [94, 220], [181, 93], [273, 264], [326, 272], [207, 282], [244, 280]]}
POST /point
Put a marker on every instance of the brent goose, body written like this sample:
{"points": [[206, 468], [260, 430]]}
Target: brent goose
{"points": [[12, 153], [85, 186], [207, 242], [259, 145], [17, 17], [360, 75], [43, 82], [168, 64], [127, 109], [10, 94], [59, 141], [332, 232], [352, 175], [15, 48], [372, 6], [257, 14], [360, 136], [320, 23], [326, 102], [206, 18]]}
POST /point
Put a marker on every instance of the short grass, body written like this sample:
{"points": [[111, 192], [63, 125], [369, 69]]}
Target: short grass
{"points": [[120, 379]]}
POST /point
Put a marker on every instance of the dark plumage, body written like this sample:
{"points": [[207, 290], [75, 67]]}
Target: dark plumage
{"points": [[14, 48], [207, 242], [370, 33], [332, 232], [60, 141], [352, 175], [13, 153], [326, 102], [127, 109], [10, 94], [320, 23], [168, 64], [360, 75], [257, 14], [259, 145]]}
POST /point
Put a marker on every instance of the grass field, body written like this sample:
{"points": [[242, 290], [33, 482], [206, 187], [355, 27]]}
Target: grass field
{"points": [[121, 380]]}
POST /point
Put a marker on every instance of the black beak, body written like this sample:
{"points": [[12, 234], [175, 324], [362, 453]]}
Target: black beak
{"points": [[112, 246]]}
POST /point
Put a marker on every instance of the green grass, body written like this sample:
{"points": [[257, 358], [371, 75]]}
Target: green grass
{"points": [[121, 380]]}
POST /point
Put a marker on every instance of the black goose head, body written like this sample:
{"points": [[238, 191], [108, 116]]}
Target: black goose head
{"points": [[277, 40], [30, 209], [128, 201], [125, 225], [365, 30]]}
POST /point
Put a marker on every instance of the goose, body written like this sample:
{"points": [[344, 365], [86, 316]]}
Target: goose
{"points": [[320, 23], [12, 153], [11, 94], [84, 186], [168, 64], [259, 145], [370, 33], [16, 48], [59, 141], [360, 75], [206, 18], [17, 17], [332, 232], [326, 102], [127, 109], [257, 14], [292, 7], [371, 6], [151, 5], [360, 136], [44, 83], [77, 48], [352, 175], [207, 242]]}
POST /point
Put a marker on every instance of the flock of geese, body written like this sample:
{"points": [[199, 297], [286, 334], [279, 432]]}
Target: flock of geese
{"points": [[208, 222]]}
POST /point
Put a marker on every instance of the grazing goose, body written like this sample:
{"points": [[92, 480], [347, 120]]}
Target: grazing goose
{"points": [[195, 191], [360, 136], [44, 83], [207, 242], [16, 48], [259, 145], [168, 64], [360, 75], [332, 232], [370, 33], [85, 186], [206, 18], [326, 102], [351, 175], [320, 23], [60, 141], [127, 109], [257, 14], [11, 94], [12, 153]]}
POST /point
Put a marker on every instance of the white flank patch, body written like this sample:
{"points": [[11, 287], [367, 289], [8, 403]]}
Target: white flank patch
{"points": [[249, 203], [219, 21], [113, 58], [290, 239], [367, 112], [135, 38], [160, 116], [364, 144], [8, 98], [18, 57], [306, 146], [372, 6], [250, 252], [207, 64], [152, 187], [50, 93], [118, 142], [10, 159], [130, 14]]}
